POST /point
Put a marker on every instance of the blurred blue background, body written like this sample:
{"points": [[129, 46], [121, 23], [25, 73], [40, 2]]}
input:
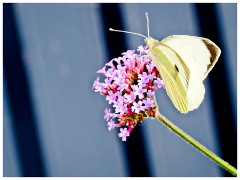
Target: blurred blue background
{"points": [[52, 119]]}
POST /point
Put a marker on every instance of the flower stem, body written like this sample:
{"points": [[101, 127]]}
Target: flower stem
{"points": [[197, 145]]}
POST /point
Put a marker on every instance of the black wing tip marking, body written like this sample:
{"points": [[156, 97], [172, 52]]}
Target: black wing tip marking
{"points": [[213, 51]]}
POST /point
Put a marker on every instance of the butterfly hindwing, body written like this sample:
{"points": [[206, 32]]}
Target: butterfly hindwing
{"points": [[172, 73]]}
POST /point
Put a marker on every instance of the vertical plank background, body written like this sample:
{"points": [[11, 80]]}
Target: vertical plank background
{"points": [[63, 45]]}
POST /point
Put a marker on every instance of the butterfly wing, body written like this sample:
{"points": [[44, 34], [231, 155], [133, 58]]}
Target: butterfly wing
{"points": [[174, 73], [199, 54], [184, 62]]}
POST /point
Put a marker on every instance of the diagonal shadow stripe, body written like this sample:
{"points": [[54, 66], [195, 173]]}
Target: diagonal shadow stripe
{"points": [[208, 22], [20, 100], [134, 148]]}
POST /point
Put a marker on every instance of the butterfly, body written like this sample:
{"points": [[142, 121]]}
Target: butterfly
{"points": [[184, 62]]}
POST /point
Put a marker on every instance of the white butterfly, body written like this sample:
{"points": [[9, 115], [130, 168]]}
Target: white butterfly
{"points": [[184, 62]]}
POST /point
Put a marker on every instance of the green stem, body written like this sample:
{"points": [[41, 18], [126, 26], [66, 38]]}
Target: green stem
{"points": [[197, 145]]}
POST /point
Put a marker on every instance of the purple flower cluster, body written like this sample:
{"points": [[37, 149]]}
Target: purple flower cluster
{"points": [[129, 85]]}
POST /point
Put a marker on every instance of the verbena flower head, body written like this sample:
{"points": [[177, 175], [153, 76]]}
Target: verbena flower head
{"points": [[129, 85]]}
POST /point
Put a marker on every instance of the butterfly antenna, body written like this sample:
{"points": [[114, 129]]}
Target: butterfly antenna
{"points": [[147, 25], [127, 32]]}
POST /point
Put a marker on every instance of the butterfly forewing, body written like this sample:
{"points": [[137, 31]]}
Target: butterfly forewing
{"points": [[199, 54]]}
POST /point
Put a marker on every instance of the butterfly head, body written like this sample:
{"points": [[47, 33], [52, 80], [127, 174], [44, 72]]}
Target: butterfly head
{"points": [[150, 41]]}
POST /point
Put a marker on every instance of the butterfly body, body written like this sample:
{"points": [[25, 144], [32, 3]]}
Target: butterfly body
{"points": [[184, 62]]}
